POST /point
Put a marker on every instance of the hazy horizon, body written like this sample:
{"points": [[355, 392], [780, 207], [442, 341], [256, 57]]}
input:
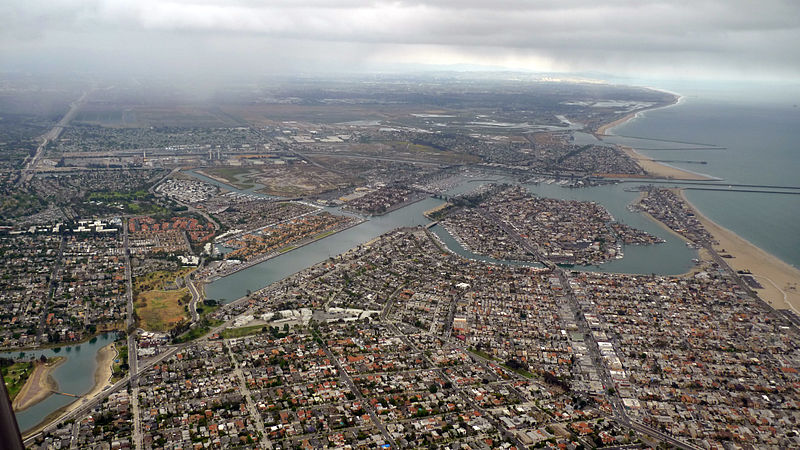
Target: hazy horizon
{"points": [[214, 40]]}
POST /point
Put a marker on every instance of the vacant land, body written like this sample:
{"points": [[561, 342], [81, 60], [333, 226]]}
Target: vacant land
{"points": [[405, 150], [161, 310], [179, 116], [293, 179], [158, 307], [273, 114], [235, 176]]}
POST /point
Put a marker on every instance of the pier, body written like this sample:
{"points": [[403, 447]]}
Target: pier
{"points": [[672, 141], [714, 184], [65, 394], [684, 161], [757, 191], [659, 149]]}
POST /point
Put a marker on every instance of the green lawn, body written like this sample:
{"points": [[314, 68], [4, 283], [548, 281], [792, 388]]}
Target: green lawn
{"points": [[15, 377], [230, 333], [119, 368], [198, 331]]}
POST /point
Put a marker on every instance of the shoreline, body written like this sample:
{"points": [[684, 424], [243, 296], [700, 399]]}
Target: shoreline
{"points": [[202, 283], [60, 344], [39, 385], [105, 356], [651, 167], [602, 129], [702, 254], [780, 280], [660, 170]]}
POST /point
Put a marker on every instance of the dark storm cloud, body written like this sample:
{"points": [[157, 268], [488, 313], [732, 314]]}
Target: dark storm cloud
{"points": [[706, 37]]}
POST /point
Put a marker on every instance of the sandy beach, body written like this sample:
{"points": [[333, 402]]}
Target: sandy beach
{"points": [[601, 131], [658, 170], [102, 375], [102, 379], [781, 281], [39, 385], [653, 168]]}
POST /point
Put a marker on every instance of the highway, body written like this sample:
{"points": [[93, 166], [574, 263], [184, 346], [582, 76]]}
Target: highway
{"points": [[87, 404], [30, 167]]}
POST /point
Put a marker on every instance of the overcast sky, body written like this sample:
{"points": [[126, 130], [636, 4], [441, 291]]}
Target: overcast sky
{"points": [[732, 39]]}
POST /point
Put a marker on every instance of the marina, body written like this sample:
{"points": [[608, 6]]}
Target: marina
{"points": [[670, 258]]}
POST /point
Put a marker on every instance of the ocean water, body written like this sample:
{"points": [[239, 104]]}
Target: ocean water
{"points": [[759, 130]]}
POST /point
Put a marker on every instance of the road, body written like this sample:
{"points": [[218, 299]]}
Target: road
{"points": [[345, 377], [251, 407], [30, 167], [620, 414], [130, 325], [87, 404], [196, 294], [51, 289], [130, 322]]}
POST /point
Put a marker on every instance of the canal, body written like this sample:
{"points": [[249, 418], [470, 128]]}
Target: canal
{"points": [[673, 257], [670, 258]]}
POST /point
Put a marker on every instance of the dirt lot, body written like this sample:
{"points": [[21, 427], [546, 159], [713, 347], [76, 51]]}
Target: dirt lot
{"points": [[294, 179]]}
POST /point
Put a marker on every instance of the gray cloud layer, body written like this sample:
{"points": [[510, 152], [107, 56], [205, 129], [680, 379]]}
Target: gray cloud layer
{"points": [[730, 38]]}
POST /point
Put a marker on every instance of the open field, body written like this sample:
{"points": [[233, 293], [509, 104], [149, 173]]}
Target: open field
{"points": [[160, 309], [16, 375], [295, 179], [158, 279]]}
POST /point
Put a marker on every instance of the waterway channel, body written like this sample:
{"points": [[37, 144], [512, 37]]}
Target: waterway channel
{"points": [[670, 258], [74, 376]]}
